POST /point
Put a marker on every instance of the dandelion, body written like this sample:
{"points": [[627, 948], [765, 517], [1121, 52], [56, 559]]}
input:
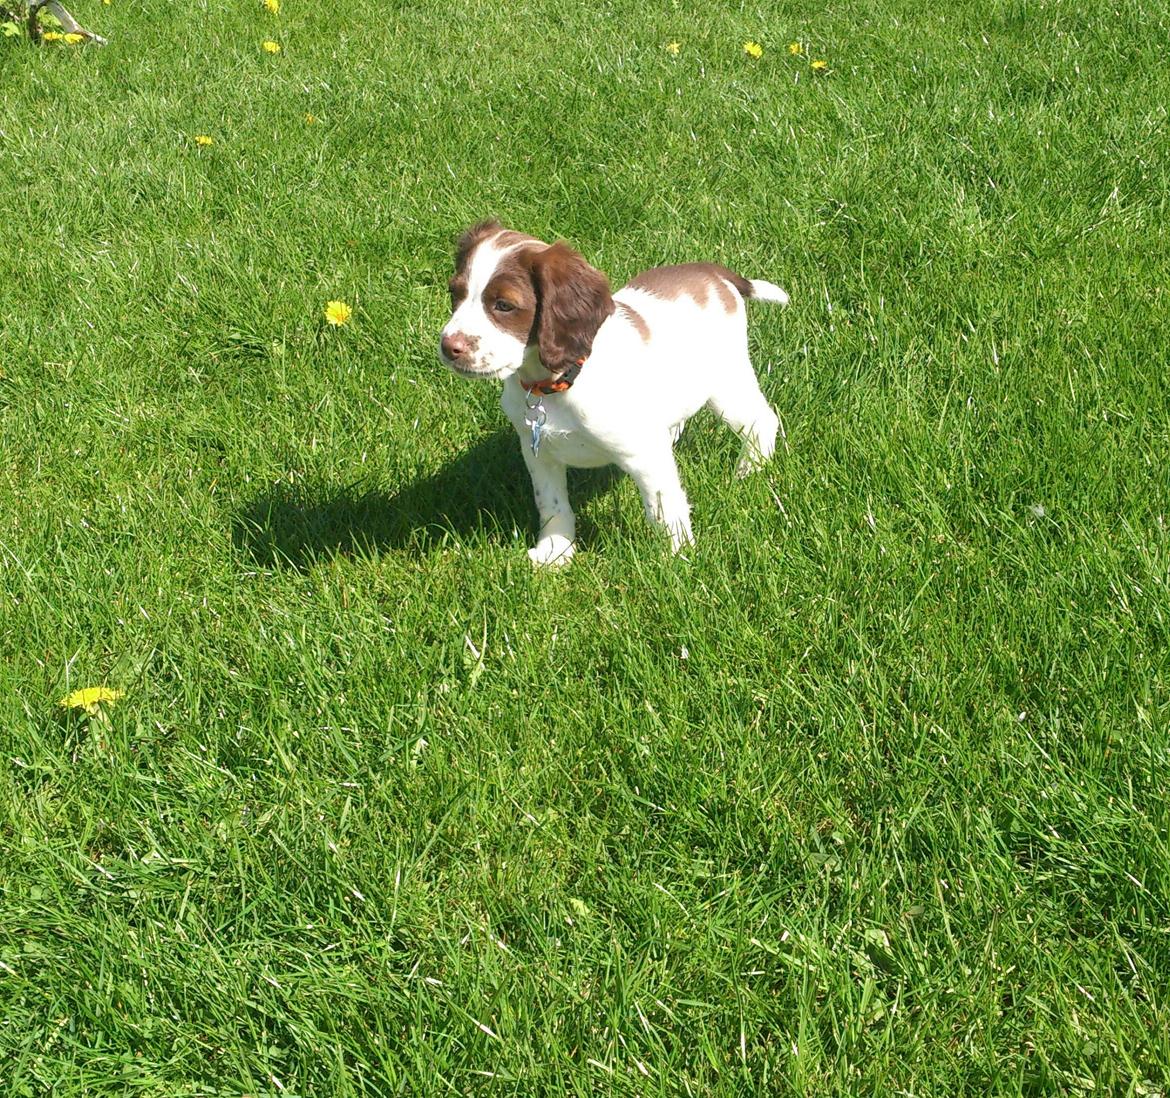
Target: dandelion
{"points": [[203, 140], [270, 46], [272, 7], [310, 119], [819, 66], [338, 313], [52, 36], [673, 47], [753, 50], [91, 699], [794, 48], [72, 38]]}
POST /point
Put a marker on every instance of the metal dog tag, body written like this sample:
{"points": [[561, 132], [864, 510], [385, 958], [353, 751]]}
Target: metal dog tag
{"points": [[535, 421]]}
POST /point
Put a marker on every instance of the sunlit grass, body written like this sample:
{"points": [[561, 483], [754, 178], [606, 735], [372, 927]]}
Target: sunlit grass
{"points": [[867, 796]]}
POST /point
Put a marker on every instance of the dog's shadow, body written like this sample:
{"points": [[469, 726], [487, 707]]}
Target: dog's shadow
{"points": [[485, 492]]}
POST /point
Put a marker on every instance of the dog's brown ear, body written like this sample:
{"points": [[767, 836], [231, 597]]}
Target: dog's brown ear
{"points": [[573, 300]]}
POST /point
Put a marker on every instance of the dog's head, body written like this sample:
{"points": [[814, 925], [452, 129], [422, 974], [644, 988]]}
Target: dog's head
{"points": [[516, 300]]}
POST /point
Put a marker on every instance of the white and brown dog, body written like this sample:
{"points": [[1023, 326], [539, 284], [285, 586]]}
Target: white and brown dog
{"points": [[593, 378]]}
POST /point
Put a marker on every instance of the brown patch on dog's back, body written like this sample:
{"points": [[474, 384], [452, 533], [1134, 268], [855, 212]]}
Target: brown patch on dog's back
{"points": [[696, 281], [636, 319]]}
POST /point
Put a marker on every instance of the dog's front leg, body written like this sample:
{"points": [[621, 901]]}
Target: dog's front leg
{"points": [[558, 527], [656, 475]]}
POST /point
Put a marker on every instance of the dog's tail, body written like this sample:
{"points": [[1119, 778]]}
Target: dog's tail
{"points": [[765, 291]]}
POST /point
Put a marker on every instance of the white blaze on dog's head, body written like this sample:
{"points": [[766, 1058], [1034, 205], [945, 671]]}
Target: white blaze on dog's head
{"points": [[511, 292], [493, 303]]}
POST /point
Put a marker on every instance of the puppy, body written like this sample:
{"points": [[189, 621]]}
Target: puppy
{"points": [[593, 378]]}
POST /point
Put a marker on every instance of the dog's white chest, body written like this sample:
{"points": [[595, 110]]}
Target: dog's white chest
{"points": [[574, 447], [554, 429]]}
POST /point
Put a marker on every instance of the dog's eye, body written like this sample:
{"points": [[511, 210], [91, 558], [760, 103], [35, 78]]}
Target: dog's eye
{"points": [[503, 306]]}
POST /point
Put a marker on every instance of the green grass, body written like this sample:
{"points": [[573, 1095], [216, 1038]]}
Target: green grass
{"points": [[868, 796]]}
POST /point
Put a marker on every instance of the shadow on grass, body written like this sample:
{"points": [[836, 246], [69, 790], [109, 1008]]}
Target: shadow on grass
{"points": [[485, 490]]}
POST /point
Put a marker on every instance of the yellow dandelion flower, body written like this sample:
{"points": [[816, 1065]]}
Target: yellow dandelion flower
{"points": [[673, 47], [91, 699], [753, 49], [72, 38], [310, 119], [270, 46], [52, 36], [203, 140], [272, 7], [794, 48], [338, 313], [819, 66]]}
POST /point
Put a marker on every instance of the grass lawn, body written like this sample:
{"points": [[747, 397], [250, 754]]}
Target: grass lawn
{"points": [[867, 796]]}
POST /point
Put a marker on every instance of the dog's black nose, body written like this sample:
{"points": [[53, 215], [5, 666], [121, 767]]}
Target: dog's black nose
{"points": [[454, 346]]}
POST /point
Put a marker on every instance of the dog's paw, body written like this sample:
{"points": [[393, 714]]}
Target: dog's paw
{"points": [[751, 461], [681, 539], [554, 552]]}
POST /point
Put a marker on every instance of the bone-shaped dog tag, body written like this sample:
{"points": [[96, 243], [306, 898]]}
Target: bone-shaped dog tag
{"points": [[535, 421]]}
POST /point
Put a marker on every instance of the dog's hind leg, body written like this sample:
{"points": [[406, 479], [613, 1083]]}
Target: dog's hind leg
{"points": [[656, 475], [741, 405]]}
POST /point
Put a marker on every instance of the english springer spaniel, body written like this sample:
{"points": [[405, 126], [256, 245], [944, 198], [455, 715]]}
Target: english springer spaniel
{"points": [[593, 378]]}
